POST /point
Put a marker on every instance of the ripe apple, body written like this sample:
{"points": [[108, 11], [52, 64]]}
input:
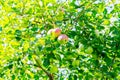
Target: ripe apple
{"points": [[63, 38], [56, 32]]}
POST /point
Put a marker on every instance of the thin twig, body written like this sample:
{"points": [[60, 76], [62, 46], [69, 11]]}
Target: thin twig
{"points": [[47, 73]]}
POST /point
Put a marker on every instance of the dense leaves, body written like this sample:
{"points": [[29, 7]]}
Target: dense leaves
{"points": [[92, 52]]}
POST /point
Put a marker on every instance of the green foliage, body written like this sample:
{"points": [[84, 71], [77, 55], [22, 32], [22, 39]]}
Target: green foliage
{"points": [[27, 52]]}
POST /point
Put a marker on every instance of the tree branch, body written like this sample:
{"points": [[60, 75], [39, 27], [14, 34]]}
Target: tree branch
{"points": [[47, 73]]}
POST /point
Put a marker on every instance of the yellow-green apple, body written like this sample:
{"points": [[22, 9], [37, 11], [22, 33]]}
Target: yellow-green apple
{"points": [[50, 32]]}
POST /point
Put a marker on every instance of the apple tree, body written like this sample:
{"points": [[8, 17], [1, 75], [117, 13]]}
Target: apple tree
{"points": [[59, 39]]}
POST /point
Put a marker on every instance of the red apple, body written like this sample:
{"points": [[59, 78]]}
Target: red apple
{"points": [[63, 38], [56, 32]]}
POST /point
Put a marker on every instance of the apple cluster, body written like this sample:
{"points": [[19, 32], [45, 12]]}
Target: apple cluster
{"points": [[56, 33]]}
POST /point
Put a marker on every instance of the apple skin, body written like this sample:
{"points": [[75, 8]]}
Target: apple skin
{"points": [[50, 32], [63, 38], [56, 32]]}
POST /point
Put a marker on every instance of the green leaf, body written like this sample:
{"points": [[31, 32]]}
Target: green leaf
{"points": [[0, 29], [18, 33], [89, 50], [46, 62], [53, 69], [76, 63]]}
